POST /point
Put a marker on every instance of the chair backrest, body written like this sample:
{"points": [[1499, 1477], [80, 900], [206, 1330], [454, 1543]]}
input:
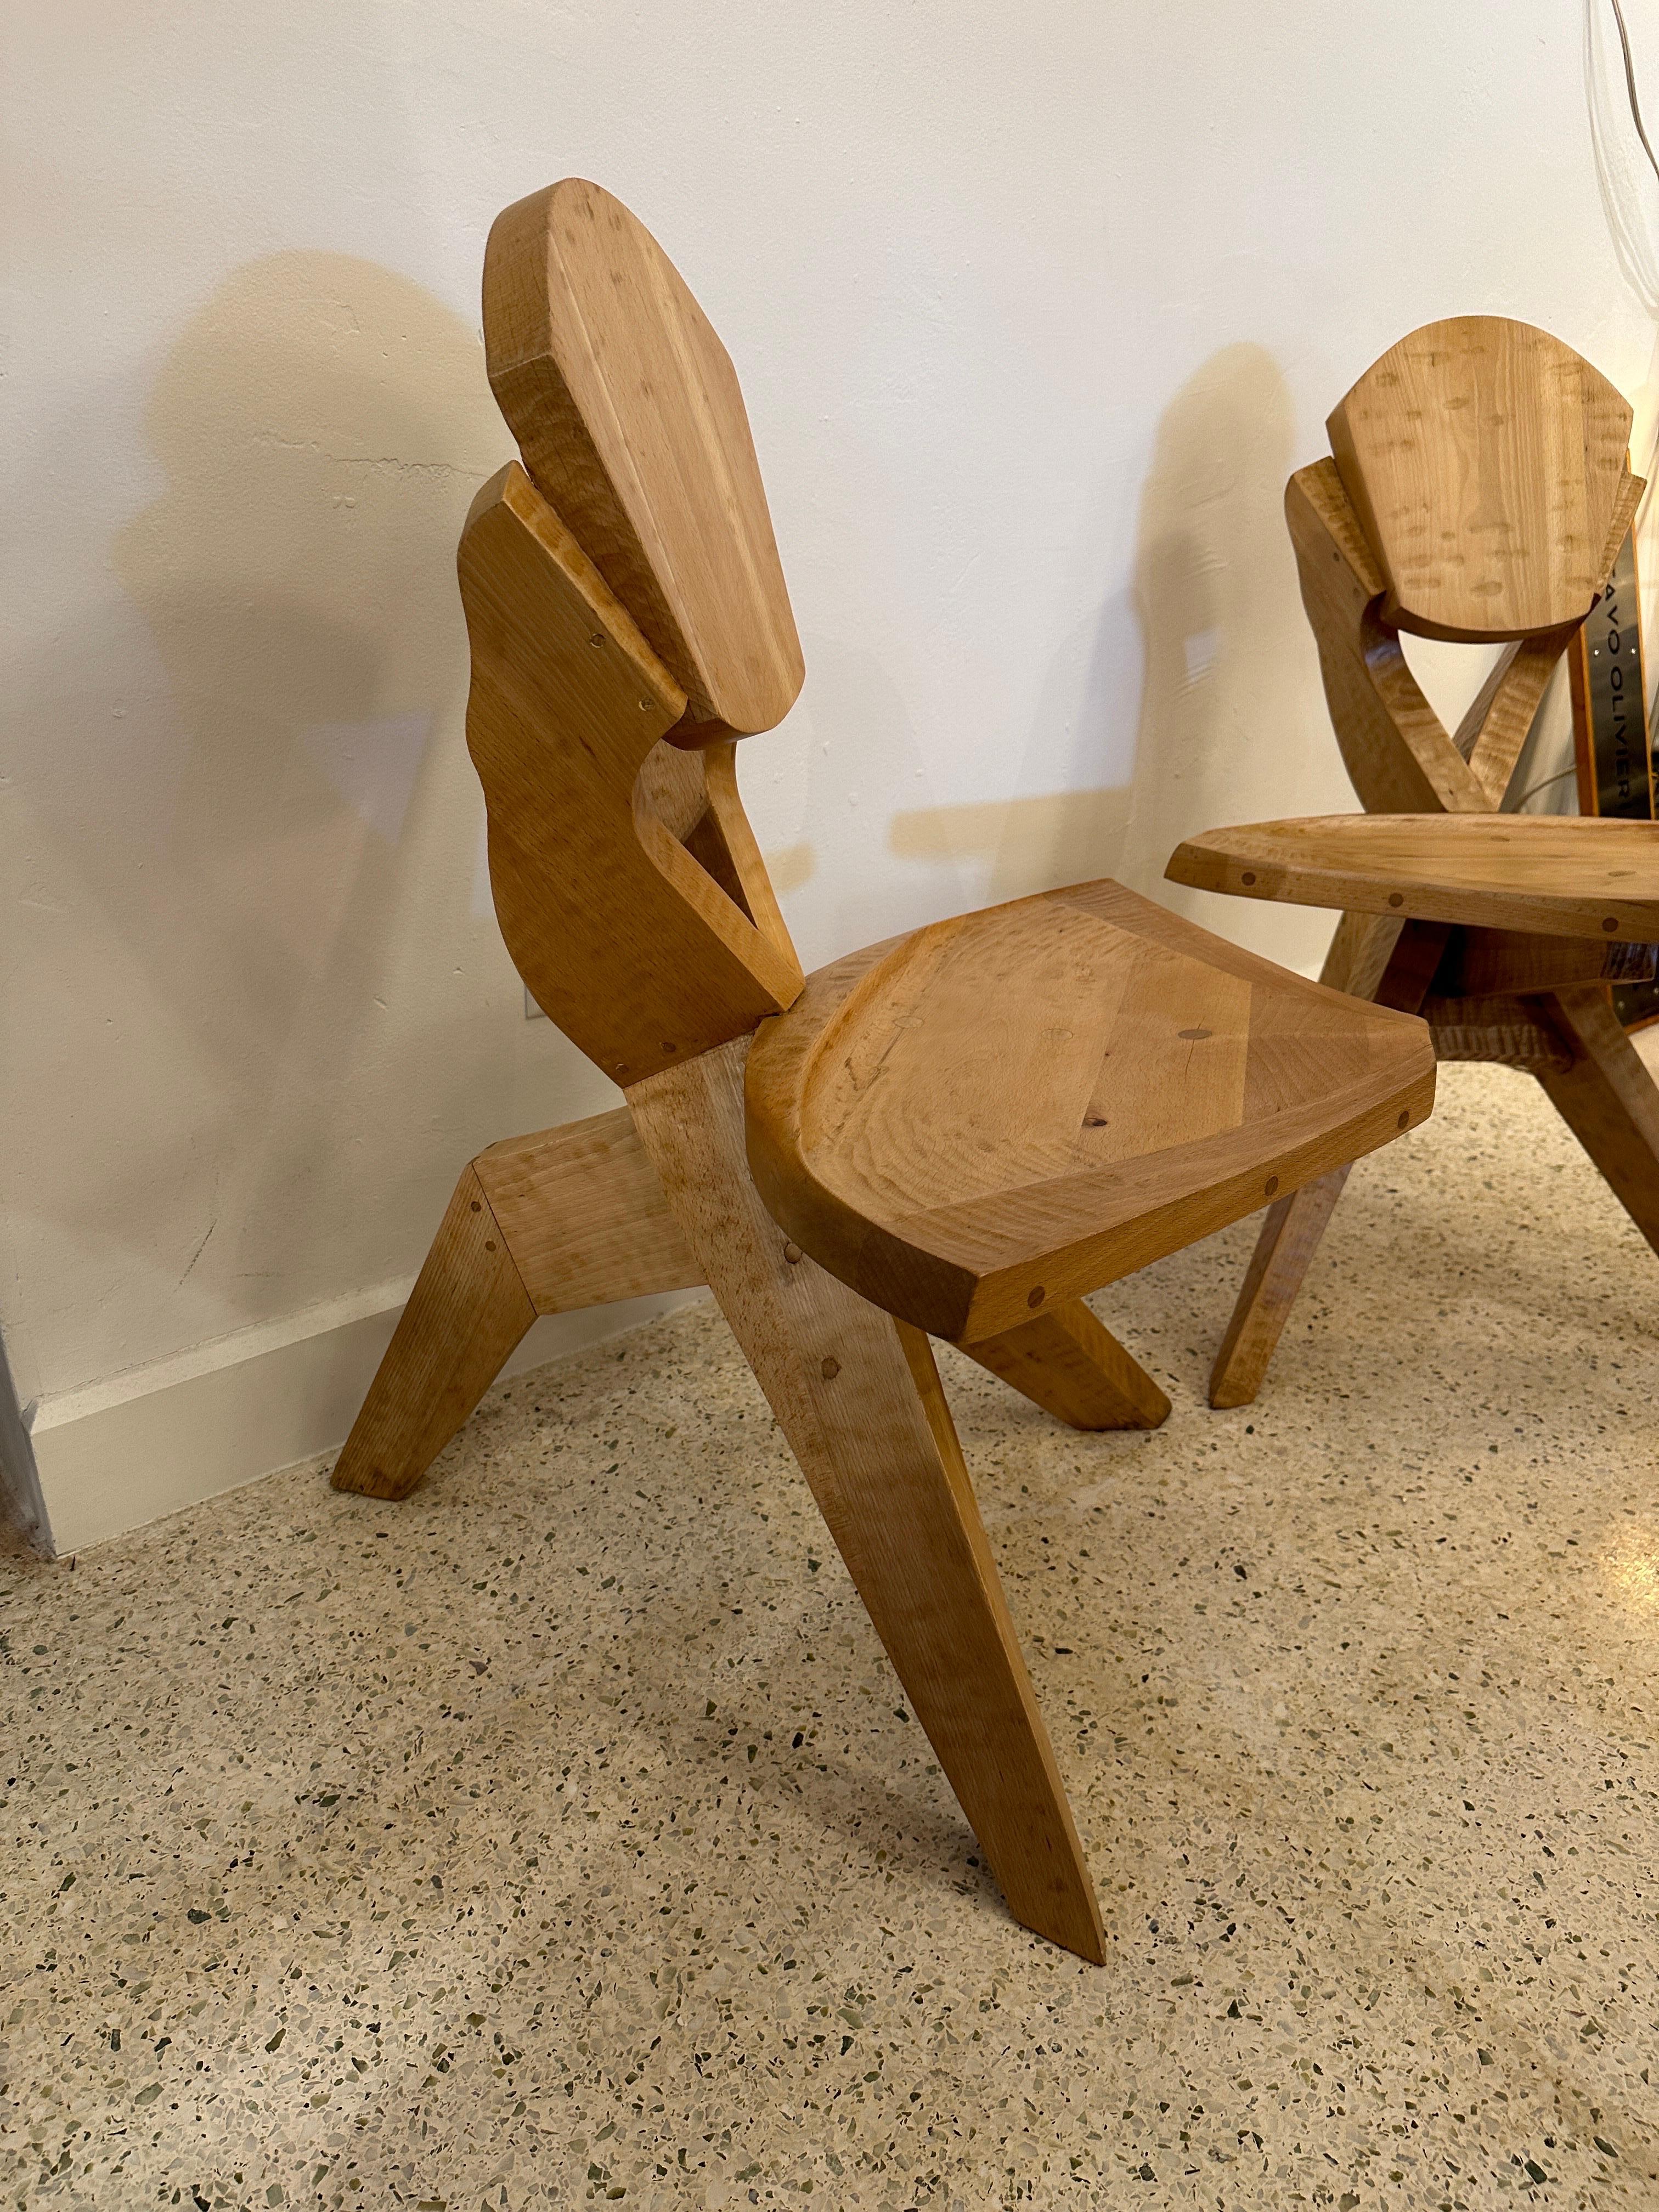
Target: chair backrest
{"points": [[1484, 459], [628, 621], [629, 421], [1479, 492]]}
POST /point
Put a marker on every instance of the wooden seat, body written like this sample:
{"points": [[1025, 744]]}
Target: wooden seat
{"points": [[1116, 1081], [1011, 1109], [1560, 875], [1478, 490]]}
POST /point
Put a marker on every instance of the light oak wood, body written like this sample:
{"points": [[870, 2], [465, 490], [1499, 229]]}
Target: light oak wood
{"points": [[1361, 948], [466, 1314], [1418, 957], [629, 419], [1398, 753], [547, 1224], [626, 940], [583, 1215], [1289, 1238], [1071, 1364], [1485, 461], [1018, 1106], [1561, 875], [1492, 733], [1608, 1099], [1391, 963], [576, 1217], [1065, 1088], [581, 1211], [1479, 489], [857, 1395]]}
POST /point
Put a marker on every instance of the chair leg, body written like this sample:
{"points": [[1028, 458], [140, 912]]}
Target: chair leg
{"points": [[546, 1224], [1370, 957], [1289, 1237], [1073, 1367], [858, 1396], [467, 1312], [1609, 1101]]}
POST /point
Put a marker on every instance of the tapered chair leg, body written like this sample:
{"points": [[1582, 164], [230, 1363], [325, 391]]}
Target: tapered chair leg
{"points": [[1071, 1364], [858, 1396], [1284, 1251], [546, 1224], [1609, 1101], [1370, 957], [466, 1314]]}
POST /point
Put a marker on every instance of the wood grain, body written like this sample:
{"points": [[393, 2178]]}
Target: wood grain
{"points": [[973, 1125], [468, 1310], [1558, 874], [1289, 1238], [626, 940], [1359, 952], [582, 1213], [1398, 753], [1478, 490], [1011, 1109], [574, 1217], [546, 1224], [1496, 964], [1492, 733], [1608, 1100], [629, 416], [857, 1395], [1511, 1032], [1391, 963], [1070, 1363], [1485, 461]]}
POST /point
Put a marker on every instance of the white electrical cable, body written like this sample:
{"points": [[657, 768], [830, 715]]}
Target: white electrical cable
{"points": [[1630, 87], [1651, 470], [1640, 516]]}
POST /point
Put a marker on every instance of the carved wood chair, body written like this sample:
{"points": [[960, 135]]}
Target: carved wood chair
{"points": [[1478, 490], [959, 1132]]}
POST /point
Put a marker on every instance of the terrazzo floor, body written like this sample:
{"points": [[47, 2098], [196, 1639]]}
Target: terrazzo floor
{"points": [[561, 1835]]}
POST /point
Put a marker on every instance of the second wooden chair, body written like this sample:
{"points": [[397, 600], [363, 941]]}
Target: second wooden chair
{"points": [[1478, 491]]}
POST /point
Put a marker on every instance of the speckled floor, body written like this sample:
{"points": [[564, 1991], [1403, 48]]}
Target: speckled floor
{"points": [[561, 1835]]}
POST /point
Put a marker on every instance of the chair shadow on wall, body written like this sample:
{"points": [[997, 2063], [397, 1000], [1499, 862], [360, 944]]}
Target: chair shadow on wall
{"points": [[1231, 725], [1007, 848], [321, 424], [1228, 719]]}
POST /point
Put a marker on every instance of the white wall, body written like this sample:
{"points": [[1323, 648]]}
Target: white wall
{"points": [[1035, 307]]}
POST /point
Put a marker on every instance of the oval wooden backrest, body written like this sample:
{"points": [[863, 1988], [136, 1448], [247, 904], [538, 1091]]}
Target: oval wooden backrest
{"points": [[628, 415], [1484, 459]]}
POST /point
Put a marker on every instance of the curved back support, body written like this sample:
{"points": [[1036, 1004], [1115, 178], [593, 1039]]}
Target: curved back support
{"points": [[627, 618], [1484, 460], [628, 415], [626, 879]]}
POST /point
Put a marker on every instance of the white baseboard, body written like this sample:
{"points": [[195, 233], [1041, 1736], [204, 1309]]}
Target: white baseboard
{"points": [[159, 1438]]}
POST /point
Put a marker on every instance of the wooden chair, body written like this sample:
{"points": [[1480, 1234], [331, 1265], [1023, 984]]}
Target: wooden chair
{"points": [[958, 1131], [1478, 490]]}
